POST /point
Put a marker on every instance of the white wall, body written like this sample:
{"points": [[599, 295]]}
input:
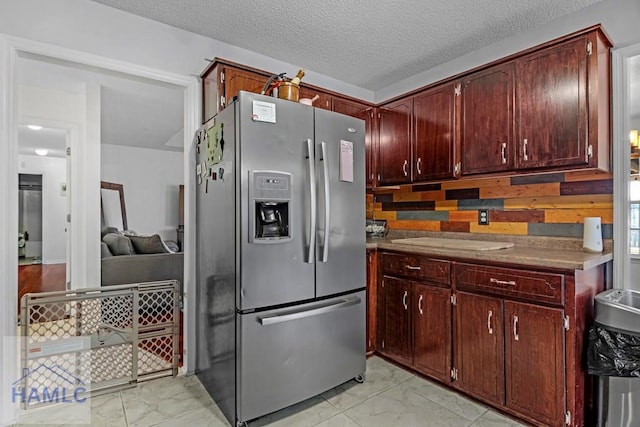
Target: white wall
{"points": [[150, 179], [618, 17], [92, 27], [54, 173]]}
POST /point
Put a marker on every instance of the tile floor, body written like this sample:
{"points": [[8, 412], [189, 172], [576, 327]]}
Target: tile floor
{"points": [[389, 397]]}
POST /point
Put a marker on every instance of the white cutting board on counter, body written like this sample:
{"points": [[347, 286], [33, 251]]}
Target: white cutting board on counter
{"points": [[435, 242]]}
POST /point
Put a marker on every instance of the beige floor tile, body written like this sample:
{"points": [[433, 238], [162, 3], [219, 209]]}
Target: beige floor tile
{"points": [[339, 420], [204, 417], [448, 399], [387, 369], [304, 414], [351, 393], [494, 419], [402, 407]]}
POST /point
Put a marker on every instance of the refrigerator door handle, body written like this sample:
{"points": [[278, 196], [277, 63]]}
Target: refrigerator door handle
{"points": [[327, 202], [316, 310], [313, 207]]}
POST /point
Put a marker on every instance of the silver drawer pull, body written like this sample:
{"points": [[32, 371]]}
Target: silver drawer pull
{"points": [[404, 300], [420, 305], [503, 282], [411, 267], [515, 328]]}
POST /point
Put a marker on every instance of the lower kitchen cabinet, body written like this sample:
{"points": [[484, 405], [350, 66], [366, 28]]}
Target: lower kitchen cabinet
{"points": [[534, 360], [372, 298], [479, 365], [396, 338], [510, 337], [432, 331]]}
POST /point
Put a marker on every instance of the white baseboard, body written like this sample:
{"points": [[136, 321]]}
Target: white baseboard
{"points": [[54, 261]]}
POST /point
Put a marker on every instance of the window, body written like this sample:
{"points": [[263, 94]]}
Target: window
{"points": [[634, 216]]}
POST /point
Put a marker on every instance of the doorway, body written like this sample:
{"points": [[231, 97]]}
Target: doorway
{"points": [[29, 219]]}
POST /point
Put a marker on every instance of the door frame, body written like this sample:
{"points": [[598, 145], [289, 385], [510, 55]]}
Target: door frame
{"points": [[621, 168], [10, 48]]}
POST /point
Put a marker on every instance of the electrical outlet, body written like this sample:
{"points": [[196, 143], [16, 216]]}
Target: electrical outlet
{"points": [[483, 216]]}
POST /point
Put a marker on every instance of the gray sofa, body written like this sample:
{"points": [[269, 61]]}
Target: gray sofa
{"points": [[137, 259]]}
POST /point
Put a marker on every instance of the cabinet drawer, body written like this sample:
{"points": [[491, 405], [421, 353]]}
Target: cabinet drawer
{"points": [[531, 285], [416, 267]]}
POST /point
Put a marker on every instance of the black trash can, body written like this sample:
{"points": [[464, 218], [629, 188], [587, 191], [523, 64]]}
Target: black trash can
{"points": [[613, 356]]}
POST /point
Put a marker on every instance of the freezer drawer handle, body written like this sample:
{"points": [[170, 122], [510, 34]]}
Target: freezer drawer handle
{"points": [[313, 311]]}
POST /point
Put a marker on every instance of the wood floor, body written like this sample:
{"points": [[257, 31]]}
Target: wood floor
{"points": [[40, 278]]}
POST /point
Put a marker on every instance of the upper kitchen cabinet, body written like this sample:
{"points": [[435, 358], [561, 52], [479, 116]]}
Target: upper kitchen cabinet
{"points": [[222, 81], [394, 142], [366, 113], [562, 104], [433, 141], [486, 121], [324, 101]]}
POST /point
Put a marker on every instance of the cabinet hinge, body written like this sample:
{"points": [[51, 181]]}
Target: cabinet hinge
{"points": [[453, 299], [378, 115], [69, 218], [382, 343], [567, 418], [457, 89], [456, 169], [566, 323], [454, 374], [223, 101], [589, 151], [222, 77], [589, 48]]}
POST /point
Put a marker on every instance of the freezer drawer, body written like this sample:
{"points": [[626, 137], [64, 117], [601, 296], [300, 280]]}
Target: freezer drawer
{"points": [[288, 355]]}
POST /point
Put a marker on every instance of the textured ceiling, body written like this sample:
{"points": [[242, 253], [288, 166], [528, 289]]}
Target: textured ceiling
{"points": [[371, 44]]}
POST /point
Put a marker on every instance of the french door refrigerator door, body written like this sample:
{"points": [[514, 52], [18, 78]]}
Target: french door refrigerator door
{"points": [[340, 162], [275, 136], [288, 355]]}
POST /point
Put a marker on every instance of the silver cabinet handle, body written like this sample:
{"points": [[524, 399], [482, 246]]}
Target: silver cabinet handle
{"points": [[504, 153], [411, 267], [525, 155], [418, 163], [312, 194], [404, 300], [288, 314], [489, 317], [503, 282], [327, 201], [420, 304], [515, 328], [404, 167]]}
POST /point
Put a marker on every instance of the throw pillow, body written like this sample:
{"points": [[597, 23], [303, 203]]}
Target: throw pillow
{"points": [[104, 250], [118, 245], [148, 244], [108, 230]]}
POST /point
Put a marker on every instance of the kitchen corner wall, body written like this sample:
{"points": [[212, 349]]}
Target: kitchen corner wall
{"points": [[552, 204]]}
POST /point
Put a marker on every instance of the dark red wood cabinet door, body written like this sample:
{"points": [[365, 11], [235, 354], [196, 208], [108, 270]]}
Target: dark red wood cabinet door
{"points": [[487, 116], [372, 258], [432, 331], [364, 112], [551, 105], [433, 140], [237, 80], [534, 350], [480, 346], [394, 136], [324, 100], [397, 334]]}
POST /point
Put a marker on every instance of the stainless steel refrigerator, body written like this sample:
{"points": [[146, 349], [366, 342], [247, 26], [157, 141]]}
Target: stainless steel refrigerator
{"points": [[280, 254]]}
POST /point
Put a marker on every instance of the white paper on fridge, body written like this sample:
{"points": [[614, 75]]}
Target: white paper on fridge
{"points": [[346, 161], [264, 112]]}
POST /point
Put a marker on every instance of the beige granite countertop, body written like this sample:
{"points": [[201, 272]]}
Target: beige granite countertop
{"points": [[530, 251]]}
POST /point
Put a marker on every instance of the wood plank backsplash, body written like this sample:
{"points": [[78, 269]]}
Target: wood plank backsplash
{"points": [[551, 204]]}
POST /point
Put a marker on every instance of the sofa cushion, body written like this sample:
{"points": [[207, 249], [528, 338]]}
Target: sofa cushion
{"points": [[108, 230], [118, 245], [148, 244], [104, 250]]}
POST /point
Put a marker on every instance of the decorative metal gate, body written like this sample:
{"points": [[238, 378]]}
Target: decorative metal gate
{"points": [[103, 338]]}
